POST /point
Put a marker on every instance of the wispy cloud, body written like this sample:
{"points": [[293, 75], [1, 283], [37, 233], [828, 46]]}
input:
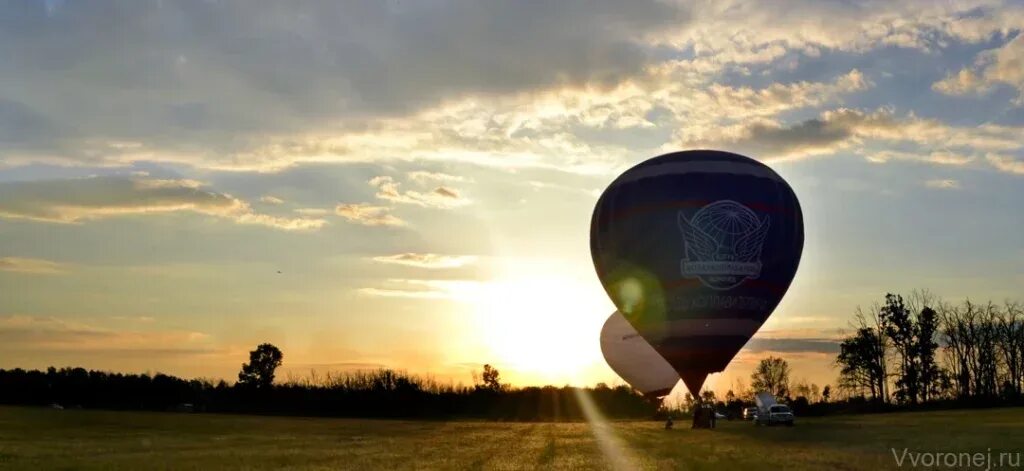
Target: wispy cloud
{"points": [[852, 129], [271, 199], [53, 334], [1006, 163], [460, 290], [140, 319], [427, 260], [313, 211], [943, 184], [405, 293], [83, 199], [579, 66], [217, 107], [941, 157], [440, 197], [31, 266], [1002, 65], [792, 345], [424, 177], [368, 214]]}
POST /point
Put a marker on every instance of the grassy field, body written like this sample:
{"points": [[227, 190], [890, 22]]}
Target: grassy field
{"points": [[38, 438]]}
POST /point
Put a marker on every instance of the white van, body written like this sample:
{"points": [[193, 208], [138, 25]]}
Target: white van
{"points": [[770, 412]]}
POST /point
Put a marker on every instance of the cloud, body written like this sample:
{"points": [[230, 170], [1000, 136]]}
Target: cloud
{"points": [[943, 184], [140, 319], [458, 290], [208, 82], [313, 90], [447, 192], [368, 214], [567, 128], [961, 83], [845, 128], [832, 131], [1006, 163], [792, 345], [440, 197], [427, 260], [741, 31], [320, 84], [424, 178], [940, 157], [1002, 65], [52, 334], [312, 211], [271, 199], [31, 266], [404, 293], [84, 199]]}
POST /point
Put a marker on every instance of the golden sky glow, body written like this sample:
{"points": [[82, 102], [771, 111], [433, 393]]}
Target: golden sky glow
{"points": [[397, 184]]}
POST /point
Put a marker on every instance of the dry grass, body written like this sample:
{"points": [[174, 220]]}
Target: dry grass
{"points": [[37, 438]]}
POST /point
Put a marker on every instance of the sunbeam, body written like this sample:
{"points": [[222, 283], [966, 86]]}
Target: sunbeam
{"points": [[614, 449]]}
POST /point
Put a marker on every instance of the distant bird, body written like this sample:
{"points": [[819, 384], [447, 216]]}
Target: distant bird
{"points": [[279, 272]]}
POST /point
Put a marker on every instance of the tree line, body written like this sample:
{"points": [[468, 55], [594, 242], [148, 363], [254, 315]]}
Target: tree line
{"points": [[772, 375], [382, 393], [913, 352], [920, 350]]}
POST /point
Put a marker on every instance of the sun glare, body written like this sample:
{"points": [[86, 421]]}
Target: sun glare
{"points": [[544, 328]]}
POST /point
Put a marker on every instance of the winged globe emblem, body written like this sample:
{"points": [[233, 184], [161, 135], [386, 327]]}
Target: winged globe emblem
{"points": [[723, 242]]}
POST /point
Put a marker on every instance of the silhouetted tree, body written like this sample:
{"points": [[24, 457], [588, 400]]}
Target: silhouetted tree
{"points": [[772, 375], [263, 362], [826, 393], [802, 389], [900, 328], [1011, 345], [491, 379], [911, 327], [929, 372], [862, 362]]}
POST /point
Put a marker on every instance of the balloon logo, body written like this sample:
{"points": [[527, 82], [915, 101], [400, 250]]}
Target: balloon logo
{"points": [[633, 359], [696, 249]]}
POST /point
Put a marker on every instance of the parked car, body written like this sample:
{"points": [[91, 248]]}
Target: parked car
{"points": [[749, 413], [777, 414], [770, 412]]}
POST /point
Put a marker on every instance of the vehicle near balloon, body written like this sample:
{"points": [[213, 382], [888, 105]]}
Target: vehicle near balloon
{"points": [[770, 412], [634, 360], [696, 249]]}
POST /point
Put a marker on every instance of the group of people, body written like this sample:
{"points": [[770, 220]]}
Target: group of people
{"points": [[703, 417]]}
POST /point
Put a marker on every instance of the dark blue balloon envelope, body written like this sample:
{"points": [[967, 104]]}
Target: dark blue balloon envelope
{"points": [[696, 249]]}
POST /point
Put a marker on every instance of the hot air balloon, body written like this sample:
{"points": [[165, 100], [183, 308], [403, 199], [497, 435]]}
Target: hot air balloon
{"points": [[634, 360], [696, 249]]}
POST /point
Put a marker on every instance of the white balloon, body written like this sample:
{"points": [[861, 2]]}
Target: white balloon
{"points": [[635, 360]]}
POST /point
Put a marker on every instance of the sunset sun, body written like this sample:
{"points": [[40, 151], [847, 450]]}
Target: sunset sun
{"points": [[543, 328]]}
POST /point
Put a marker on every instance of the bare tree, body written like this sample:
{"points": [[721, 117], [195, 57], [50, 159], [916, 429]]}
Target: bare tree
{"points": [[1011, 345], [772, 375], [957, 346], [878, 350], [972, 337]]}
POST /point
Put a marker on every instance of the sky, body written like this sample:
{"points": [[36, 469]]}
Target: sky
{"points": [[409, 184]]}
